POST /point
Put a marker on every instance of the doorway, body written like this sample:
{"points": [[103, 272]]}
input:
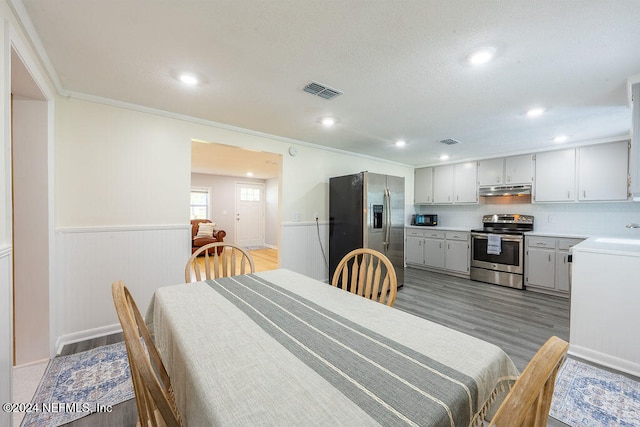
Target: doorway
{"points": [[30, 216], [219, 168]]}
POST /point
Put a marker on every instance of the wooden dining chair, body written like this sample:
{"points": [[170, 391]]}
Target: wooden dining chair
{"points": [[368, 273], [529, 401], [227, 260], [151, 383]]}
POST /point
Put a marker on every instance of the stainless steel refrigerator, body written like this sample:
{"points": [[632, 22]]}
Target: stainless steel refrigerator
{"points": [[366, 210]]}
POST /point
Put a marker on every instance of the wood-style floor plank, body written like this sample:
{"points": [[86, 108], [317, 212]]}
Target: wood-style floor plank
{"points": [[517, 321]]}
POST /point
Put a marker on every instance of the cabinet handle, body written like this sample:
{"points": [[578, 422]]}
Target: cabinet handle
{"points": [[497, 180], [569, 194], [584, 194], [549, 257], [449, 246], [440, 245], [508, 179]]}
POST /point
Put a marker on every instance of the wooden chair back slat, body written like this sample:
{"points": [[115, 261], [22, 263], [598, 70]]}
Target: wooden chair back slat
{"points": [[529, 401], [361, 272], [220, 260], [151, 383]]}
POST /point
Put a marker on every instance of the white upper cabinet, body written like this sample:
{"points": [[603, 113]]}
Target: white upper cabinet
{"points": [[465, 182], [555, 176], [513, 170], [443, 184], [455, 183], [423, 186], [491, 171], [518, 169], [603, 172]]}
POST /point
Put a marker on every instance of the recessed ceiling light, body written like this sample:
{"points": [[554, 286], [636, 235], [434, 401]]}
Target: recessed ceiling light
{"points": [[400, 143], [560, 139], [481, 56], [328, 121], [249, 173], [535, 112], [188, 79], [444, 157]]}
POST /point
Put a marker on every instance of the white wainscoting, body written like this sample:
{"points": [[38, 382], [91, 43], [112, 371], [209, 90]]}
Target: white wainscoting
{"points": [[88, 260], [6, 341], [300, 248]]}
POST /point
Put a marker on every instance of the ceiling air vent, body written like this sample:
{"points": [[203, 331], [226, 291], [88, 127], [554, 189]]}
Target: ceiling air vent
{"points": [[321, 90], [450, 141]]}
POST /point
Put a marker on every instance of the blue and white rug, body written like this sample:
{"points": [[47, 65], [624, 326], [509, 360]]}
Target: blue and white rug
{"points": [[588, 396], [80, 384]]}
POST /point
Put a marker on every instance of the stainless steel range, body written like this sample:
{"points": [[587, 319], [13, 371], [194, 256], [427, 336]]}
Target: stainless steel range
{"points": [[497, 251]]}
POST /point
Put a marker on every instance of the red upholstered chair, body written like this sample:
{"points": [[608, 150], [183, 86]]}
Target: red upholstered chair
{"points": [[198, 242]]}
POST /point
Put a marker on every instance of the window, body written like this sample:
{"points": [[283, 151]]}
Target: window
{"points": [[250, 194], [199, 204]]}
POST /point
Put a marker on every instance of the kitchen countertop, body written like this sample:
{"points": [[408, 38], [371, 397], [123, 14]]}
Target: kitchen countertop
{"points": [[554, 234], [438, 228], [610, 245]]}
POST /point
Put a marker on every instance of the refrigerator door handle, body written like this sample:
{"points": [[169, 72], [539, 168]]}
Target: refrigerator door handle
{"points": [[387, 236]]}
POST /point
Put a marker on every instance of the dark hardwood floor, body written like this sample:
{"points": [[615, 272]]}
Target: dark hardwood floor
{"points": [[517, 321]]}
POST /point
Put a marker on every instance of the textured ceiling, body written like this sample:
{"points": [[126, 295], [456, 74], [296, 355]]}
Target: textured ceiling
{"points": [[401, 66]]}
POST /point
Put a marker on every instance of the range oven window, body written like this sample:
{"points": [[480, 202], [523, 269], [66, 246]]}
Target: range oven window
{"points": [[510, 254]]}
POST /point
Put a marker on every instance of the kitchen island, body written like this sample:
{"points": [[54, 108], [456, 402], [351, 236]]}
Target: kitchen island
{"points": [[605, 303]]}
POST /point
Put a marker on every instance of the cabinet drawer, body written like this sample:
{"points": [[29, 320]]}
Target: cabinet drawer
{"points": [[432, 234], [541, 242], [456, 235], [415, 233], [566, 244]]}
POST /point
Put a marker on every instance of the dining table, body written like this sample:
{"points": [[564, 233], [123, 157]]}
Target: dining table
{"points": [[279, 348]]}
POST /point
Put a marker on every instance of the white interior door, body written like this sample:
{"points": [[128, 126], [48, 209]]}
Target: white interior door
{"points": [[249, 224]]}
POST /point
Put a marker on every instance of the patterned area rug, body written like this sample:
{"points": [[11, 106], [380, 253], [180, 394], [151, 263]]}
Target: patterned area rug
{"points": [[80, 384], [587, 396]]}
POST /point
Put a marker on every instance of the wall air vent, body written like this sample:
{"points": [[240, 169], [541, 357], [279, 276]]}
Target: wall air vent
{"points": [[321, 90], [450, 141]]}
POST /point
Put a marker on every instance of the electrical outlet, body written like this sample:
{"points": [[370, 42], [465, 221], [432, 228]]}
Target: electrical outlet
{"points": [[315, 216]]}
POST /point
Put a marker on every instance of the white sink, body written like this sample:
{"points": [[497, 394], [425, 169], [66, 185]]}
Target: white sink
{"points": [[618, 241]]}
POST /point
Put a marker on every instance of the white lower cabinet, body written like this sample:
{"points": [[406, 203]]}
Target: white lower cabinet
{"points": [[547, 264], [445, 251]]}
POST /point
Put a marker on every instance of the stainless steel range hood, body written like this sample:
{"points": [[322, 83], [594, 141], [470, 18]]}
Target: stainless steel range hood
{"points": [[505, 190]]}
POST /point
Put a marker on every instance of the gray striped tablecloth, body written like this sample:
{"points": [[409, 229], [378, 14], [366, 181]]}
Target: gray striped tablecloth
{"points": [[279, 348]]}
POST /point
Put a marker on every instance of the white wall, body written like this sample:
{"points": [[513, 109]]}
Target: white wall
{"points": [[272, 199], [31, 230], [6, 294]]}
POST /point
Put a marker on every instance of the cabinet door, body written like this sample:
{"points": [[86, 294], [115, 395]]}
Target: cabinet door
{"points": [[457, 256], [555, 178], [423, 186], [434, 253], [491, 171], [465, 182], [562, 271], [414, 250], [518, 169], [443, 184], [603, 171], [541, 268]]}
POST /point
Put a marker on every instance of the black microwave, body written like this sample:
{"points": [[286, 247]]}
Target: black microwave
{"points": [[422, 219]]}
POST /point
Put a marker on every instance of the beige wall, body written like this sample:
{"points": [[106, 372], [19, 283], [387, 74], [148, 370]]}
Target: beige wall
{"points": [[121, 167]]}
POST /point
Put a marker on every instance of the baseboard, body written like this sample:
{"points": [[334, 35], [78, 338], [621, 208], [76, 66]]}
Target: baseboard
{"points": [[36, 362], [86, 335], [607, 360]]}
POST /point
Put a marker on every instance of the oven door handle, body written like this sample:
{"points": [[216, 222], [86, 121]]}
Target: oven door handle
{"points": [[503, 237]]}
